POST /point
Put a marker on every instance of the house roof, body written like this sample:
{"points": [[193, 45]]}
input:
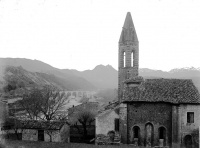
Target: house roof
{"points": [[111, 106], [33, 124], [53, 125], [174, 91]]}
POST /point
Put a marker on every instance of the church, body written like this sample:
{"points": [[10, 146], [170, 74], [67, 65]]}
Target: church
{"points": [[154, 112]]}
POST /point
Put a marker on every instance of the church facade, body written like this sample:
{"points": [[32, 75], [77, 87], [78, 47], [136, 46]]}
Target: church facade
{"points": [[154, 112]]}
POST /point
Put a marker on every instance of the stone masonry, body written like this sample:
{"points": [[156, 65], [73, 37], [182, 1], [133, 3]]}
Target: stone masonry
{"points": [[128, 52]]}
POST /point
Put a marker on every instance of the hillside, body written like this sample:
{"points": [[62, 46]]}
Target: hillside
{"points": [[102, 77], [32, 79], [47, 72]]}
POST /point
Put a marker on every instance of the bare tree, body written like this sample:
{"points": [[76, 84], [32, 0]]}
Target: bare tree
{"points": [[44, 104], [85, 118], [30, 105], [53, 104]]}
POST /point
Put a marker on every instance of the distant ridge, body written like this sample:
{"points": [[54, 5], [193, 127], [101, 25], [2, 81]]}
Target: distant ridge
{"points": [[101, 77], [28, 64]]}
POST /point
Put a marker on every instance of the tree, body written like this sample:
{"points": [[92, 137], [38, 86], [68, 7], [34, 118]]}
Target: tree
{"points": [[46, 104], [53, 104], [30, 105], [12, 82], [85, 118]]}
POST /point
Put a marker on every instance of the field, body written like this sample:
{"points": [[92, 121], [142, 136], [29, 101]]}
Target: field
{"points": [[31, 144]]}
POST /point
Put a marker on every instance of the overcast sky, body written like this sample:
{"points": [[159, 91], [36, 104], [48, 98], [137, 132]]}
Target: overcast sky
{"points": [[80, 34]]}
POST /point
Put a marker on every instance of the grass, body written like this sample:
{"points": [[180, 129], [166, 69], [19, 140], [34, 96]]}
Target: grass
{"points": [[37, 144]]}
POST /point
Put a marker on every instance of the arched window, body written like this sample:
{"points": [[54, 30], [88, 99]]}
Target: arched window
{"points": [[80, 94], [74, 94], [69, 94], [132, 59], [149, 134], [124, 59]]}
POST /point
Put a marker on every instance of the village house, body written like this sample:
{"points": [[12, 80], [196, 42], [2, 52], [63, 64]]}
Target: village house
{"points": [[154, 112], [32, 130], [107, 124], [107, 119]]}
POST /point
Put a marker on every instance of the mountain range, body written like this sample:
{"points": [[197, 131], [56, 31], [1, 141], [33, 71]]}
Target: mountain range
{"points": [[101, 77]]}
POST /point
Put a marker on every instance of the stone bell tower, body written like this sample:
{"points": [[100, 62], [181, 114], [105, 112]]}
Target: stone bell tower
{"points": [[128, 54]]}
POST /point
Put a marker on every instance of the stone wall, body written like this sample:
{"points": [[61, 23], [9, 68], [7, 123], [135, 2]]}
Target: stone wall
{"points": [[189, 128], [123, 122], [105, 122], [55, 136], [156, 114], [30, 134]]}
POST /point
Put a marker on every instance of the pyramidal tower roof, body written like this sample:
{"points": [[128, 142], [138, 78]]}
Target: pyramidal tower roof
{"points": [[128, 34]]}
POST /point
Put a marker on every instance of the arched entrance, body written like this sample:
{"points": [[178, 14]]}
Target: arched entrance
{"points": [[149, 135], [188, 141], [136, 135], [162, 136]]}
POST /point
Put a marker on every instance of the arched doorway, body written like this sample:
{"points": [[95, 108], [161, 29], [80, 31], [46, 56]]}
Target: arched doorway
{"points": [[136, 135], [149, 135], [188, 141], [162, 136]]}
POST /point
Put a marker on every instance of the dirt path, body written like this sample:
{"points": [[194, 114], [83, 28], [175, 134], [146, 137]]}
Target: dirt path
{"points": [[37, 144]]}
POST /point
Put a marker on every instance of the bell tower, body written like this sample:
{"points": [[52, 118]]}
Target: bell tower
{"points": [[128, 55]]}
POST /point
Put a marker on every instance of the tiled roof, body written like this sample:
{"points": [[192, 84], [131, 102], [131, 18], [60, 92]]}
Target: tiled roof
{"points": [[110, 106], [163, 90], [33, 124], [53, 125]]}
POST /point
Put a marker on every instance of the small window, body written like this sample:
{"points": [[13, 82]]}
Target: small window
{"points": [[190, 117], [116, 124]]}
